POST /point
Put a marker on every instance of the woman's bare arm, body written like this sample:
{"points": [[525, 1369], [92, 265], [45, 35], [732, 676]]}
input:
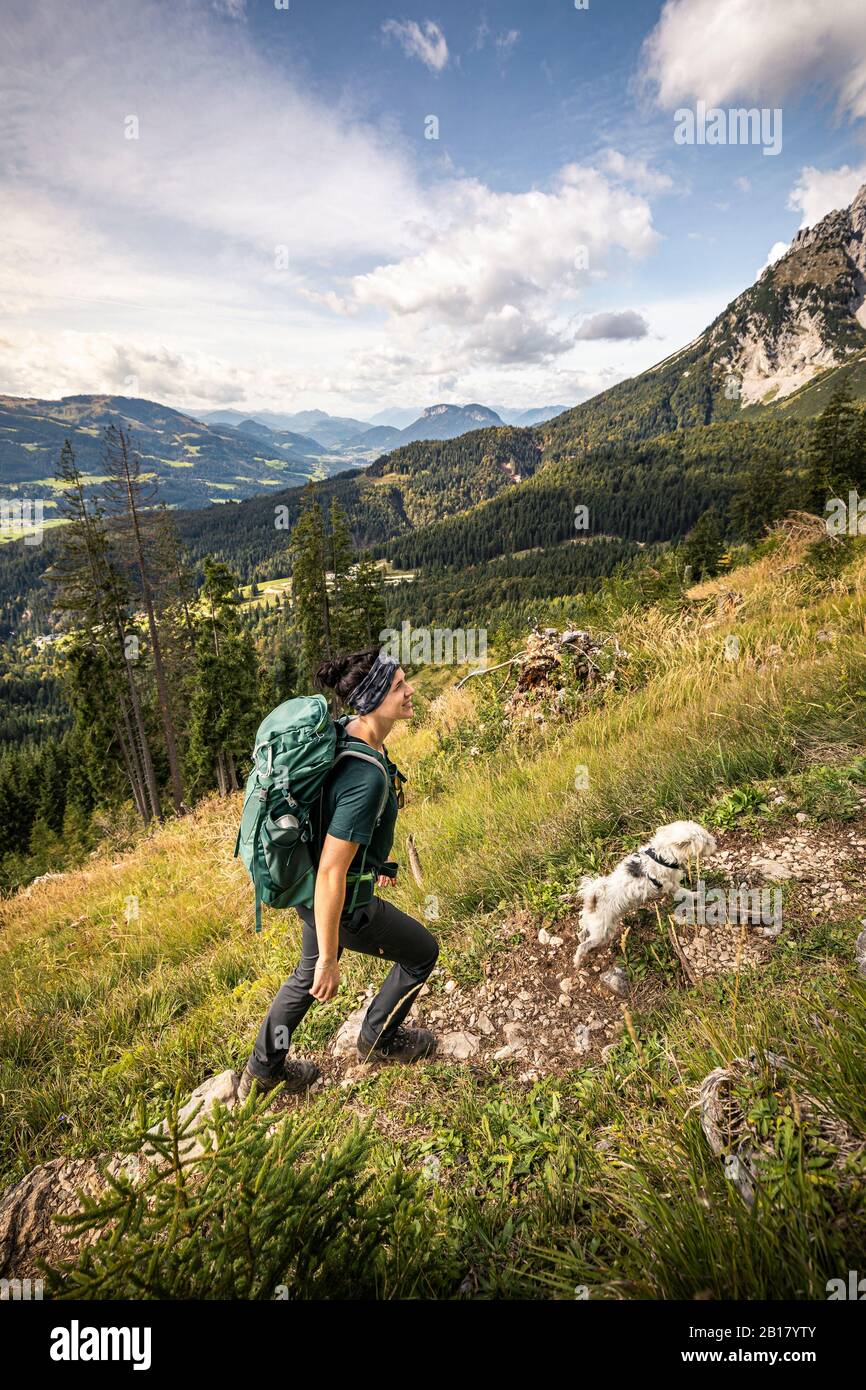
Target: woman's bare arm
{"points": [[330, 895]]}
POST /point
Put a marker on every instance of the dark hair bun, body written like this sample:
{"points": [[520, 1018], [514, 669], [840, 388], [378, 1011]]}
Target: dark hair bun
{"points": [[343, 673], [329, 673]]}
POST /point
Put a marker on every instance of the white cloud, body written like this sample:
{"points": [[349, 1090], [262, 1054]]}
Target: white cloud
{"points": [[505, 42], [427, 42], [743, 184], [495, 267], [636, 172], [722, 50], [819, 191], [508, 335], [624, 324], [776, 252], [492, 249], [258, 170], [235, 9]]}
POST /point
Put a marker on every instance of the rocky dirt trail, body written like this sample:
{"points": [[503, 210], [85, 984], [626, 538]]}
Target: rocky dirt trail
{"points": [[537, 1013]]}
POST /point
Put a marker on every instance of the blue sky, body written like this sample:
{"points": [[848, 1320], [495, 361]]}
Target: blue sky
{"points": [[221, 203]]}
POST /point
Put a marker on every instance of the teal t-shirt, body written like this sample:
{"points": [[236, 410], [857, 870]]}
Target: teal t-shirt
{"points": [[350, 804]]}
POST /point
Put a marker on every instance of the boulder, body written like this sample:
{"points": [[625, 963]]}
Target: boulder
{"points": [[221, 1089], [458, 1045], [28, 1231]]}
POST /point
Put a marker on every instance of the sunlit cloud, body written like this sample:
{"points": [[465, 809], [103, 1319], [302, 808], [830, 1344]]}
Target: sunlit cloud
{"points": [[426, 41]]}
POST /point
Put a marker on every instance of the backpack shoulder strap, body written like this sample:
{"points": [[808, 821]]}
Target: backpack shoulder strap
{"points": [[368, 758]]}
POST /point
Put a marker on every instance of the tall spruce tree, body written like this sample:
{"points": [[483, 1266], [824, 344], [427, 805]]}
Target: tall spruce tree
{"points": [[92, 589], [341, 555], [702, 548], [364, 598], [837, 453], [225, 709], [764, 495], [310, 600]]}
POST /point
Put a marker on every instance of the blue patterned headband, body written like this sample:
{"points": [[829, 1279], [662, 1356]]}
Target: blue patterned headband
{"points": [[371, 691]]}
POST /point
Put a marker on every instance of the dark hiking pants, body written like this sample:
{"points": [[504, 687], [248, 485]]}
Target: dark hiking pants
{"points": [[377, 929]]}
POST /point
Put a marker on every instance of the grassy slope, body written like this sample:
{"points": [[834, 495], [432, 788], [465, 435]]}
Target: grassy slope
{"points": [[102, 1011]]}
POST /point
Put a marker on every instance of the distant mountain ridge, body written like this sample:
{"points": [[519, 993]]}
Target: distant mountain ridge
{"points": [[230, 456], [384, 432], [196, 464], [649, 454], [330, 431]]}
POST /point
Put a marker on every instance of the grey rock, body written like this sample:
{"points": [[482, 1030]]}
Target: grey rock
{"points": [[615, 981], [514, 1035], [461, 1046], [431, 1167], [774, 869], [221, 1089], [346, 1041]]}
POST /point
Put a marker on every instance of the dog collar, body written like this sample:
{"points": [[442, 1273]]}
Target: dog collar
{"points": [[658, 859]]}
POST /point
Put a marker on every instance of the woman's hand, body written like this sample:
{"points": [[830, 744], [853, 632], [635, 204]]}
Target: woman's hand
{"points": [[326, 980], [385, 880]]}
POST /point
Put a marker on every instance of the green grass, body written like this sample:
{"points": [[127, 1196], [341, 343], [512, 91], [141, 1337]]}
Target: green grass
{"points": [[598, 1184]]}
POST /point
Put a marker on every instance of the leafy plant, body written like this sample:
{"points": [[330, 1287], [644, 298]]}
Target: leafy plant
{"points": [[739, 804]]}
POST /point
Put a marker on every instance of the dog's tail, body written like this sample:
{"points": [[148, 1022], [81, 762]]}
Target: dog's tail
{"points": [[591, 891]]}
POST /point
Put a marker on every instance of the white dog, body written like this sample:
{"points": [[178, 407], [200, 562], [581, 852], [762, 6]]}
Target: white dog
{"points": [[649, 873]]}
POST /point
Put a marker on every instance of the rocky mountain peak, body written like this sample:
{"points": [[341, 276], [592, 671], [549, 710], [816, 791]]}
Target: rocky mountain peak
{"points": [[806, 312]]}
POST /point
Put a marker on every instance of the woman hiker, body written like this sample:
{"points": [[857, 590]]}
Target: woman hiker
{"points": [[371, 683]]}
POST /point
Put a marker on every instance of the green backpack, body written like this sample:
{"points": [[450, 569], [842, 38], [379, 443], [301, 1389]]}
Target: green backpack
{"points": [[296, 747]]}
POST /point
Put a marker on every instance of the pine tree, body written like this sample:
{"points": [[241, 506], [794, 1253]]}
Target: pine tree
{"points": [[265, 1211], [837, 456], [87, 678], [92, 589], [340, 554], [175, 597], [225, 709], [702, 548], [764, 495], [310, 601], [364, 596]]}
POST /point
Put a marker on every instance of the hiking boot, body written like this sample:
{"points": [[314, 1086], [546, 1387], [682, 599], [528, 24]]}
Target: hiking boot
{"points": [[406, 1045], [249, 1082], [296, 1075]]}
